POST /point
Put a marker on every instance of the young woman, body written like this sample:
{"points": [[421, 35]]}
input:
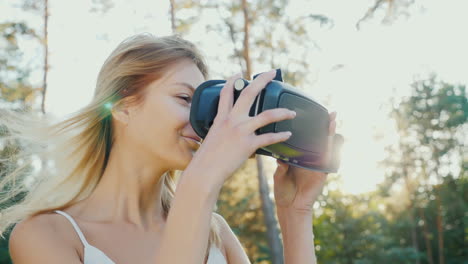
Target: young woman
{"points": [[112, 197]]}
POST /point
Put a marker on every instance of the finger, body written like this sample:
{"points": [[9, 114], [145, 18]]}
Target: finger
{"points": [[267, 139], [226, 97], [283, 165], [247, 97], [331, 133], [268, 117], [328, 152], [280, 172], [332, 123], [332, 128]]}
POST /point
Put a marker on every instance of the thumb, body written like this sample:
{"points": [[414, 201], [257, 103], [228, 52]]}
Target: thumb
{"points": [[281, 170]]}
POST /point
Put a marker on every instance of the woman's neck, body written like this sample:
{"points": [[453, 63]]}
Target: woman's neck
{"points": [[128, 191]]}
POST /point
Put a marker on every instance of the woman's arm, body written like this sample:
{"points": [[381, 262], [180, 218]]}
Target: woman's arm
{"points": [[297, 233], [189, 218], [296, 190], [298, 237]]}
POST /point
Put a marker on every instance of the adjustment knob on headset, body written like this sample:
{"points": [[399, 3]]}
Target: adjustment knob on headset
{"points": [[239, 85]]}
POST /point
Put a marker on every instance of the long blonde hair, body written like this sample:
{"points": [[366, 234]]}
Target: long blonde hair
{"points": [[79, 146]]}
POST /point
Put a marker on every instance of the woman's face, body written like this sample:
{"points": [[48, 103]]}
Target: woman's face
{"points": [[160, 128]]}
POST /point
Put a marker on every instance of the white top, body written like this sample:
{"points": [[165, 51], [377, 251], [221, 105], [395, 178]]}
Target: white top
{"points": [[93, 255]]}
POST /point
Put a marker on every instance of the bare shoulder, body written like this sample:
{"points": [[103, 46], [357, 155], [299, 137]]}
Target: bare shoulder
{"points": [[235, 253], [38, 239]]}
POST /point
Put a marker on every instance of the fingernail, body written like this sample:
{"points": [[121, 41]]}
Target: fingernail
{"points": [[288, 133]]}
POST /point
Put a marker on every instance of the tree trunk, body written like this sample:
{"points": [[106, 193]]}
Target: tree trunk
{"points": [[439, 220], [274, 241], [246, 55], [273, 237], [46, 69], [440, 230], [426, 237], [46, 54], [172, 11], [414, 239]]}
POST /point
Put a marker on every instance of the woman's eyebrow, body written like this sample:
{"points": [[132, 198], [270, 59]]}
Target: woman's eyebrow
{"points": [[186, 85]]}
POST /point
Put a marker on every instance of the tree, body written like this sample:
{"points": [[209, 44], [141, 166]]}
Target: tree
{"points": [[248, 15], [15, 90], [432, 128], [242, 24], [41, 8], [16, 94], [394, 8], [172, 13]]}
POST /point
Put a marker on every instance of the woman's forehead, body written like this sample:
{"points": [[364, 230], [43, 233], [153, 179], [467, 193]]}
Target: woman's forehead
{"points": [[182, 74], [185, 72]]}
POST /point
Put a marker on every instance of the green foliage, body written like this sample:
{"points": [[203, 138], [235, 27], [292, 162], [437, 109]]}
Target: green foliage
{"points": [[432, 127], [370, 228], [353, 228], [239, 203], [285, 51], [15, 90], [4, 250], [16, 93]]}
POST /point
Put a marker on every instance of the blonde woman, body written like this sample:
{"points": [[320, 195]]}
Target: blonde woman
{"points": [[112, 197]]}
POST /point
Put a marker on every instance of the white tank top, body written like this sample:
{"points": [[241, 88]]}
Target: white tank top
{"points": [[93, 255]]}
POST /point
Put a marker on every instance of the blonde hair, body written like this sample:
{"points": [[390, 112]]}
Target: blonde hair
{"points": [[80, 145]]}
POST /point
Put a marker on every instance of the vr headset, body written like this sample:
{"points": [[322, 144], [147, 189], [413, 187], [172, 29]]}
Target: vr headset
{"points": [[308, 145]]}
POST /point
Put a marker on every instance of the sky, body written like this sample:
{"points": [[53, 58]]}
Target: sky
{"points": [[375, 63]]}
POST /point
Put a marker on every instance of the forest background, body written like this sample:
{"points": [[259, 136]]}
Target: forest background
{"points": [[394, 70]]}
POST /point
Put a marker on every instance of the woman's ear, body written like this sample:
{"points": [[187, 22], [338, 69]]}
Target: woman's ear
{"points": [[121, 113]]}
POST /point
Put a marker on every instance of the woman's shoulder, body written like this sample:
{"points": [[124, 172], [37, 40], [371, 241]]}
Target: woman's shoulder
{"points": [[39, 235], [232, 248], [41, 223], [45, 225], [220, 220], [45, 222], [222, 224]]}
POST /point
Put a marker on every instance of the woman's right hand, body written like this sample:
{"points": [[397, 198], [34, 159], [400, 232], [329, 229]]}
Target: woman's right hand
{"points": [[231, 139]]}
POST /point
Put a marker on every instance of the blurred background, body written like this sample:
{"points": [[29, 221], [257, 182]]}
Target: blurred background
{"points": [[394, 70]]}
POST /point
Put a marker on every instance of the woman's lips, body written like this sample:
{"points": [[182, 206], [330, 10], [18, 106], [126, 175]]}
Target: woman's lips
{"points": [[192, 141], [194, 138]]}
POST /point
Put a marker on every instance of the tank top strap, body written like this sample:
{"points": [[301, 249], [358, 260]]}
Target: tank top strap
{"points": [[75, 226]]}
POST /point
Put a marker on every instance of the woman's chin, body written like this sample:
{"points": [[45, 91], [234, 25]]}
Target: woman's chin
{"points": [[185, 161], [187, 153]]}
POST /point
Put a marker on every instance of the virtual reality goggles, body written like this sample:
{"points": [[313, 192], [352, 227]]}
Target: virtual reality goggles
{"points": [[308, 145]]}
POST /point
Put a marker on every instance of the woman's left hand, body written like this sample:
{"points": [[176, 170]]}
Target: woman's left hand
{"points": [[296, 189]]}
